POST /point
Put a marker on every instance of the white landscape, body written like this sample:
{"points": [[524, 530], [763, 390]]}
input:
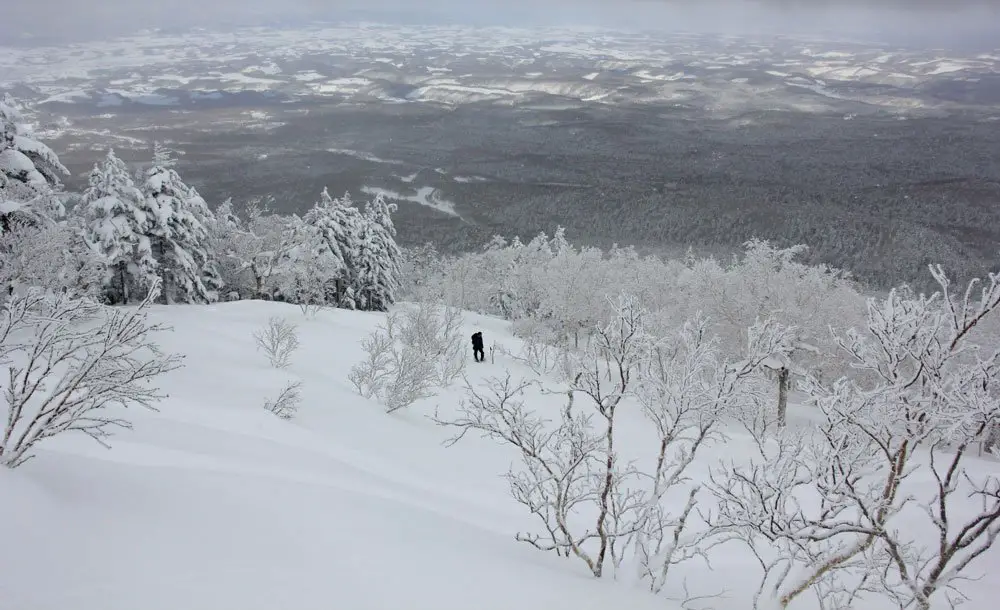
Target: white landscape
{"points": [[429, 62], [230, 406], [212, 501]]}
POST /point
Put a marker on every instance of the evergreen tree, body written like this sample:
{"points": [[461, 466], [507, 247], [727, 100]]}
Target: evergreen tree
{"points": [[379, 257], [22, 158], [116, 226], [178, 235], [29, 175], [338, 224]]}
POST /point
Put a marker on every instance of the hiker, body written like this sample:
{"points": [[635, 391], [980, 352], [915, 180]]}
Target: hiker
{"points": [[477, 347]]}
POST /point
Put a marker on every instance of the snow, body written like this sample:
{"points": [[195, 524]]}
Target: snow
{"points": [[947, 67], [8, 206], [308, 76], [68, 97], [212, 502], [382, 57], [364, 156], [425, 195], [847, 73], [341, 85], [14, 162]]}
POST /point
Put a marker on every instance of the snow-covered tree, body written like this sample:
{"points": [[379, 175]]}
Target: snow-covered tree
{"points": [[253, 254], [71, 366], [22, 158], [877, 499], [29, 174], [310, 273], [54, 257], [178, 237], [117, 226], [338, 223], [378, 257], [421, 272]]}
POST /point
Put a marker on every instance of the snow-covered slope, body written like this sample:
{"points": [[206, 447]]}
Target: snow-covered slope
{"points": [[213, 503]]}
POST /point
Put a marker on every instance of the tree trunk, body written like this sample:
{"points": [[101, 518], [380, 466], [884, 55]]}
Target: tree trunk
{"points": [[782, 396], [123, 278]]}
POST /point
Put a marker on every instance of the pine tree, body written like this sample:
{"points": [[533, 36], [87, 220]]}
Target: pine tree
{"points": [[338, 224], [29, 174], [116, 226], [178, 236], [379, 257], [22, 158]]}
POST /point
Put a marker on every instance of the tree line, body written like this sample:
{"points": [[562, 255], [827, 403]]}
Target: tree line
{"points": [[129, 228]]}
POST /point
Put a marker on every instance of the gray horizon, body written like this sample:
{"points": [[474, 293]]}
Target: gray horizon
{"points": [[916, 22]]}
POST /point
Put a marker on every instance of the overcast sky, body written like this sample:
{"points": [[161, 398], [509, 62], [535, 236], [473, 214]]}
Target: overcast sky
{"points": [[924, 22]]}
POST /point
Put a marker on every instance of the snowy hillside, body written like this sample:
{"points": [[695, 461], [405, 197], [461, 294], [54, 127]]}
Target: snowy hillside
{"points": [[214, 503]]}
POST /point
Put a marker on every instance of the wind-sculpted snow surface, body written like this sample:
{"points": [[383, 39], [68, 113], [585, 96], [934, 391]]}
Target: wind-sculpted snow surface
{"points": [[212, 502]]}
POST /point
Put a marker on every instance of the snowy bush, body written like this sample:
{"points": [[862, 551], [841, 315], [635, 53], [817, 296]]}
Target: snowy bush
{"points": [[278, 340], [542, 348], [71, 365], [286, 404], [409, 355], [435, 330]]}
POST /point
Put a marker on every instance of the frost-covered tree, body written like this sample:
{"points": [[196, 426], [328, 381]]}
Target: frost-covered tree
{"points": [[256, 252], [378, 257], [54, 257], [309, 273], [178, 236], [338, 223], [117, 226], [73, 365], [882, 497], [29, 173], [22, 158], [421, 271], [769, 282]]}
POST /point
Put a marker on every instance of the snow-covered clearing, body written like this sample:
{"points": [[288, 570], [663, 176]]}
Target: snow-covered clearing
{"points": [[213, 502]]}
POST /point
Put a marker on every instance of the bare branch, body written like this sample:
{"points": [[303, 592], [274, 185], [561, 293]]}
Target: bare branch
{"points": [[72, 363]]}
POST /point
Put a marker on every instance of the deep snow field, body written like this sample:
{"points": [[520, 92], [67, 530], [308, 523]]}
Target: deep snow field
{"points": [[213, 503]]}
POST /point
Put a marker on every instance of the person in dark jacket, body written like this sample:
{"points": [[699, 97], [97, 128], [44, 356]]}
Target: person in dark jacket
{"points": [[477, 347]]}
